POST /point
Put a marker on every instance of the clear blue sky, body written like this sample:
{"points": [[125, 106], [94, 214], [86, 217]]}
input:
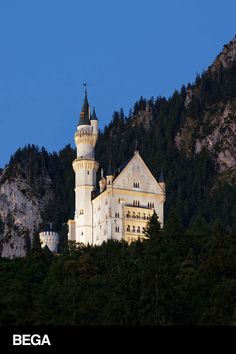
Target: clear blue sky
{"points": [[123, 49]]}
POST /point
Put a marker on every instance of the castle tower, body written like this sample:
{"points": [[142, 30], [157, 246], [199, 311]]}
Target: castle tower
{"points": [[49, 238], [85, 168]]}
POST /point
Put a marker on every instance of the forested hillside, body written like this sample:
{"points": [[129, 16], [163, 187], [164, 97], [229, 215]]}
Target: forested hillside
{"points": [[190, 137], [183, 274]]}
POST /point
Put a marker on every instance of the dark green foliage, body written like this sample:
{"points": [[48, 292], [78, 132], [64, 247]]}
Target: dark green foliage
{"points": [[181, 275], [172, 278]]}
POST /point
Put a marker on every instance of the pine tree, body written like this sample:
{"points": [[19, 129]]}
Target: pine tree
{"points": [[152, 296]]}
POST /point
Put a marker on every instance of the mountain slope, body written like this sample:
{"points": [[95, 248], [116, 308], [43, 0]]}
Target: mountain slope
{"points": [[210, 109], [190, 137]]}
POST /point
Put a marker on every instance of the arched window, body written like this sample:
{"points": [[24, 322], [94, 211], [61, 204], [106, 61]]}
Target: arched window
{"points": [[128, 214], [117, 229], [128, 228], [133, 230], [138, 229]]}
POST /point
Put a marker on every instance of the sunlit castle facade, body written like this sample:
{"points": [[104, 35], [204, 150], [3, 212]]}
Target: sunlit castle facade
{"points": [[126, 198]]}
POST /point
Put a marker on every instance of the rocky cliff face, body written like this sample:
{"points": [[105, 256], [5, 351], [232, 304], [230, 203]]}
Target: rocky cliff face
{"points": [[21, 211], [216, 133], [215, 128], [226, 57]]}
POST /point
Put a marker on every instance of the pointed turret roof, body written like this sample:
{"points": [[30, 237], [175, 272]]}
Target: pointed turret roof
{"points": [[94, 116], [84, 115]]}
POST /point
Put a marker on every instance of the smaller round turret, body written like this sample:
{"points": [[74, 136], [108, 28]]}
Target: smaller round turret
{"points": [[94, 122], [50, 239]]}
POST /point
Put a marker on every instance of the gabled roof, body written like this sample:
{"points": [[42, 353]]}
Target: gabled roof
{"points": [[125, 167], [122, 166]]}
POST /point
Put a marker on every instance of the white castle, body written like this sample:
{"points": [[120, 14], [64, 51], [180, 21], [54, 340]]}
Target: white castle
{"points": [[126, 199]]}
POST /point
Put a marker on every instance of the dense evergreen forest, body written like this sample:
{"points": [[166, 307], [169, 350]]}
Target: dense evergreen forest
{"points": [[175, 277], [184, 274]]}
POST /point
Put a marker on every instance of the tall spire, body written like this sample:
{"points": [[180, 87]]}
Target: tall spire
{"points": [[85, 87], [84, 115]]}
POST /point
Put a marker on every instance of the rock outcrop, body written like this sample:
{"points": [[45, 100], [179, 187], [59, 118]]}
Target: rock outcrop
{"points": [[21, 211], [215, 128]]}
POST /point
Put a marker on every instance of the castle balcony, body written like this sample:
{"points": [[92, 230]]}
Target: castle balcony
{"points": [[135, 218]]}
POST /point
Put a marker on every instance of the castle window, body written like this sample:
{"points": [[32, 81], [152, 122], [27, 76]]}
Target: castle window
{"points": [[136, 184], [117, 229], [117, 215], [128, 214], [133, 230], [82, 233], [81, 211], [138, 229], [128, 228], [87, 172]]}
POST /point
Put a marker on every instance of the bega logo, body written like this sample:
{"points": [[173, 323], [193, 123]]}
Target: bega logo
{"points": [[30, 339]]}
